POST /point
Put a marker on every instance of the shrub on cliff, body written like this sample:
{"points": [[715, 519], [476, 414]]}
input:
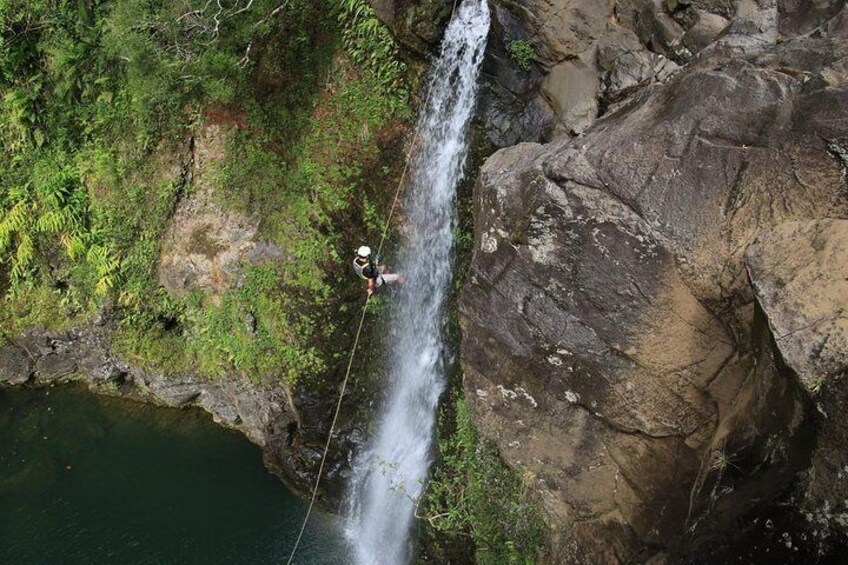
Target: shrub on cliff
{"points": [[473, 493]]}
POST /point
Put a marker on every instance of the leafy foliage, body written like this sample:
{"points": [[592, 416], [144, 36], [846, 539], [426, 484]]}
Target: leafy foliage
{"points": [[473, 492], [370, 44], [53, 208], [92, 79], [39, 306], [97, 99], [253, 331], [523, 53]]}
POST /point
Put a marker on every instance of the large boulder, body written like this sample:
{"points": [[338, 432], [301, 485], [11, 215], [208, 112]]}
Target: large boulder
{"points": [[626, 66], [560, 29], [588, 56], [417, 24], [15, 365], [799, 271], [572, 90], [612, 348], [803, 16]]}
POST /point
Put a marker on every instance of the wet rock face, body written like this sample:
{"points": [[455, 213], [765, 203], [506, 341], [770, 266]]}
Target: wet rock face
{"points": [[588, 56], [510, 102], [802, 16], [15, 365], [614, 347], [417, 24], [591, 56]]}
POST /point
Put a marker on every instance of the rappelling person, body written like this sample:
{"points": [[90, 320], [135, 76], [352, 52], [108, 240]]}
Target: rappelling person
{"points": [[372, 271]]}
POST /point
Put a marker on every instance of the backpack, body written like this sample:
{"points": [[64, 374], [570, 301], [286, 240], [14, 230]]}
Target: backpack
{"points": [[370, 271]]}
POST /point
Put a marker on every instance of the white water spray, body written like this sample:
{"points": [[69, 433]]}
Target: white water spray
{"points": [[389, 477]]}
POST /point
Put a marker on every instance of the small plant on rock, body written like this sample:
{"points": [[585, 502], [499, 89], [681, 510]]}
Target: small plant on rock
{"points": [[523, 53]]}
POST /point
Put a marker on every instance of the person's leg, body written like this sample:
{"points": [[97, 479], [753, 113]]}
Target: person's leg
{"points": [[390, 278]]}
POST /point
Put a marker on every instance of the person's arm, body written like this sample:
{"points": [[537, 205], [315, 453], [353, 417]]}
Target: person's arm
{"points": [[370, 285]]}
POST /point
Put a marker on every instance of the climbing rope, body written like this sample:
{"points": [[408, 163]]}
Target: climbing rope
{"points": [[355, 345], [343, 388]]}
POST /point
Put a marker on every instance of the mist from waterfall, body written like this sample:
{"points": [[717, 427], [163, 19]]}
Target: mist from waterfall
{"points": [[389, 475]]}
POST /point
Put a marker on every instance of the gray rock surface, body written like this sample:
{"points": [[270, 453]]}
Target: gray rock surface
{"points": [[799, 271], [206, 245], [561, 29], [572, 89], [626, 66], [628, 44], [15, 365], [803, 16], [417, 24], [612, 348], [512, 106], [705, 30]]}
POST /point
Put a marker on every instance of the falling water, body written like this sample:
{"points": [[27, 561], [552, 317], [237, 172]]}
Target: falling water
{"points": [[389, 476]]}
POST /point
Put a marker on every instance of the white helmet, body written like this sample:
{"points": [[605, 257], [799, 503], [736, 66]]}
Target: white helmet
{"points": [[364, 251]]}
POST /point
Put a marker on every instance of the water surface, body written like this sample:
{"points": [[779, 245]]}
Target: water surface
{"points": [[88, 479]]}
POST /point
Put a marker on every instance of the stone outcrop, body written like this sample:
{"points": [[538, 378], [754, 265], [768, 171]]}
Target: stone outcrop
{"points": [[799, 271], [207, 245], [800, 276], [614, 347], [416, 24], [290, 426], [591, 56]]}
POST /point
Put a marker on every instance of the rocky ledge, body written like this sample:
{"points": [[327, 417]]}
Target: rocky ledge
{"points": [[289, 426], [654, 320]]}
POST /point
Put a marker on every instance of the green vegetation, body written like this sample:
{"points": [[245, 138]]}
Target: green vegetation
{"points": [[100, 98], [523, 53], [370, 44], [100, 102], [474, 493]]}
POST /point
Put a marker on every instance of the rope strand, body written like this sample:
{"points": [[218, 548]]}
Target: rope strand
{"points": [[355, 345], [332, 427], [343, 388]]}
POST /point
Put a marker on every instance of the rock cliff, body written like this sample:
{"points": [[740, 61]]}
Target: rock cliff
{"points": [[207, 248], [653, 324]]}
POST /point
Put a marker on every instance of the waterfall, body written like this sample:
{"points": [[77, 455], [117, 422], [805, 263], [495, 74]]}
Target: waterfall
{"points": [[389, 475]]}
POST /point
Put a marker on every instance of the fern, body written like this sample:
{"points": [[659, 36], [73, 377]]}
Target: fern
{"points": [[53, 208], [370, 44], [105, 266], [52, 221]]}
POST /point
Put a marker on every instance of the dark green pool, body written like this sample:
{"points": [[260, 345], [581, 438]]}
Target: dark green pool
{"points": [[88, 479]]}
